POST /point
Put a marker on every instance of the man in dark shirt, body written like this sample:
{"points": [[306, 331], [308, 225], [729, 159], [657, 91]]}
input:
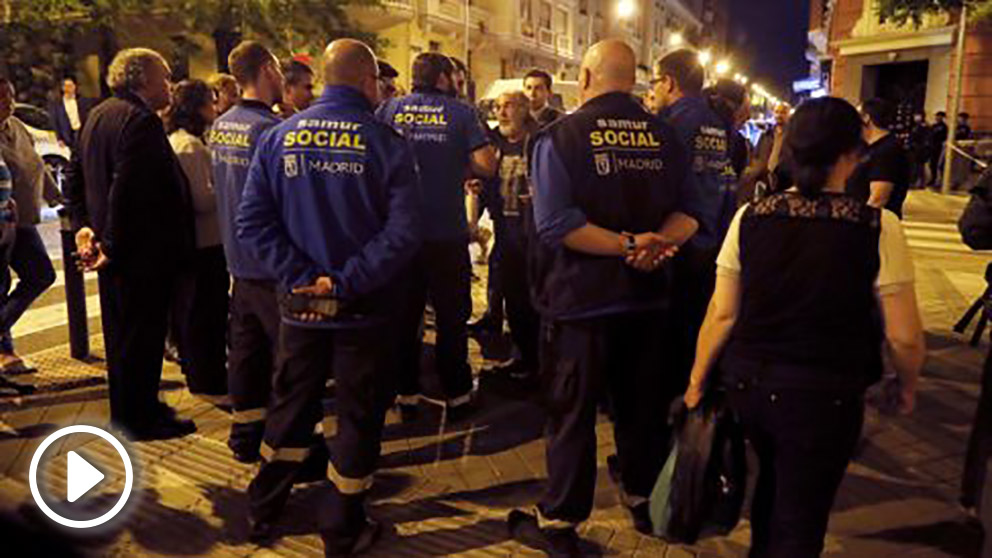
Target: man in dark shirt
{"points": [[919, 149], [537, 87], [938, 137], [131, 203], [882, 180], [964, 127]]}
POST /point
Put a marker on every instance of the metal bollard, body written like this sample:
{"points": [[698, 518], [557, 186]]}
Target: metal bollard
{"points": [[75, 292]]}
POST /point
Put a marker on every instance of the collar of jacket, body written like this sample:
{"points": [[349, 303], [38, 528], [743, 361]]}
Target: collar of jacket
{"points": [[132, 98], [345, 97], [430, 91], [255, 104], [603, 99], [684, 104]]}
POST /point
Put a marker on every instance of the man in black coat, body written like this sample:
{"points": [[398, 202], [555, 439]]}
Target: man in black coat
{"points": [[131, 204], [69, 113]]}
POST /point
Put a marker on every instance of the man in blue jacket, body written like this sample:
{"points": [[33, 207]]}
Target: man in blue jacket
{"points": [[254, 316], [678, 85], [610, 208], [332, 210], [449, 144]]}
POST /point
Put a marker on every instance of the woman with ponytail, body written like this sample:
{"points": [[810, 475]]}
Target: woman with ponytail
{"points": [[792, 337]]}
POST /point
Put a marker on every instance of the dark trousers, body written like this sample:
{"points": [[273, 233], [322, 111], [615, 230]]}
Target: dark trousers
{"points": [[804, 437], [35, 274], [935, 155], [441, 271], [620, 356], [524, 321], [253, 334], [200, 318], [494, 284], [979, 444], [360, 368], [694, 280], [134, 306]]}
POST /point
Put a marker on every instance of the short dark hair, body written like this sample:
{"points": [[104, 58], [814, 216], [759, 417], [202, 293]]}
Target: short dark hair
{"points": [[428, 67], [70, 77], [882, 112], [185, 113], [247, 60], [540, 74], [294, 71], [684, 67], [819, 133], [459, 65], [725, 98], [386, 70], [941, 114], [964, 115]]}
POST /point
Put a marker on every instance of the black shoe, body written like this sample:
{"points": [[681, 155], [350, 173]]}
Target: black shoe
{"points": [[556, 543], [516, 370], [641, 516], [486, 324], [409, 407], [164, 429], [338, 547], [262, 533], [246, 456]]}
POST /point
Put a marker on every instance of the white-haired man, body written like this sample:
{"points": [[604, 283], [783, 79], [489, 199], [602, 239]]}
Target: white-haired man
{"points": [[131, 204]]}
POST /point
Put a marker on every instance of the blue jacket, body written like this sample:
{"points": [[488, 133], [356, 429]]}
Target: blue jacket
{"points": [[444, 132], [232, 140], [332, 191], [707, 141]]}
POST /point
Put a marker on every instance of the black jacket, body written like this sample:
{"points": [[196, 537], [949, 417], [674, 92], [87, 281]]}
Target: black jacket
{"points": [[126, 183], [60, 119]]}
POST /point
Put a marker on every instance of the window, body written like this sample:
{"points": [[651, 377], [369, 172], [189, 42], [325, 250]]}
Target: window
{"points": [[526, 19], [545, 16], [561, 21]]}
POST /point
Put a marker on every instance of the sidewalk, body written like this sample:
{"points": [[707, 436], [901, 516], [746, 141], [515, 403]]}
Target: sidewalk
{"points": [[447, 493]]}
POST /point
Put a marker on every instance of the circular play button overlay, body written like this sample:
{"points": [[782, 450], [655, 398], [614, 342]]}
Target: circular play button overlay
{"points": [[81, 477]]}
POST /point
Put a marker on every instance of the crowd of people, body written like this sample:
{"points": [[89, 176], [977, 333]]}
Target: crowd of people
{"points": [[644, 253]]}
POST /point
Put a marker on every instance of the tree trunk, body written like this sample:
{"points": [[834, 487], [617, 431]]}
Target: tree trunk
{"points": [[225, 40]]}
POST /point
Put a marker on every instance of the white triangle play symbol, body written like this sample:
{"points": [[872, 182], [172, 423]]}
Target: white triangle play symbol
{"points": [[81, 476]]}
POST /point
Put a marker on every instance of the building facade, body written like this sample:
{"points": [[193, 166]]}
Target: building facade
{"points": [[857, 57], [505, 38]]}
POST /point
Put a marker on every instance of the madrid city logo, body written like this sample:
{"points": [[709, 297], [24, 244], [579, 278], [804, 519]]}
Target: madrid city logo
{"points": [[602, 164]]}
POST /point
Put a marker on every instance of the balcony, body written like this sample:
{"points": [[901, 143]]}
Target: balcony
{"points": [[450, 14], [388, 14]]}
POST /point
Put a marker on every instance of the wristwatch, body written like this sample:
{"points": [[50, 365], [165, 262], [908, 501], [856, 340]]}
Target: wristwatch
{"points": [[629, 243]]}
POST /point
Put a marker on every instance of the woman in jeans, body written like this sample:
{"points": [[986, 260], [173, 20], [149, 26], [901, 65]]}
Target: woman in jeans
{"points": [[794, 322], [200, 308]]}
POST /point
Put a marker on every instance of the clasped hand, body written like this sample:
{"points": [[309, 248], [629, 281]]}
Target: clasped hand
{"points": [[651, 250]]}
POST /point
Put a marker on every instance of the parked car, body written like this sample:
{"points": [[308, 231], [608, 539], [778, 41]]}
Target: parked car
{"points": [[39, 125]]}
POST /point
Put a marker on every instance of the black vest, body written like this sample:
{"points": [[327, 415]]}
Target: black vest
{"points": [[626, 168], [808, 273]]}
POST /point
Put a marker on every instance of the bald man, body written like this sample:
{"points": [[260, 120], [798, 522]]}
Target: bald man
{"points": [[331, 208], [609, 208]]}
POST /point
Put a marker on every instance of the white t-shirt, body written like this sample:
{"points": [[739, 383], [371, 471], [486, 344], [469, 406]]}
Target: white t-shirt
{"points": [[895, 272], [72, 111]]}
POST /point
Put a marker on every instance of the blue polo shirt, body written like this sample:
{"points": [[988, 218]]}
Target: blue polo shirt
{"points": [[232, 141], [444, 132], [707, 140]]}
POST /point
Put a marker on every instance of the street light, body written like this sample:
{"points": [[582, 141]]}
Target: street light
{"points": [[626, 8], [676, 39], [705, 57], [722, 67]]}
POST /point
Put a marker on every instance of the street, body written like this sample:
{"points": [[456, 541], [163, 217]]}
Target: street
{"points": [[446, 492]]}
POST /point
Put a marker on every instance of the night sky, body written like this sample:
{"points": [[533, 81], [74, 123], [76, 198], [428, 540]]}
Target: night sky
{"points": [[768, 39]]}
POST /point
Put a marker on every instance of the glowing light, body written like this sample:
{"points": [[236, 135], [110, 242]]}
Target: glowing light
{"points": [[722, 67], [705, 57], [676, 39], [626, 8]]}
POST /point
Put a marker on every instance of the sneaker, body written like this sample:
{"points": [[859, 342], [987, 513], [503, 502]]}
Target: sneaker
{"points": [[556, 543], [339, 547]]}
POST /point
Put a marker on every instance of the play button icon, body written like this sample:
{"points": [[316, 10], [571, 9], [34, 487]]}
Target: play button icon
{"points": [[80, 477]]}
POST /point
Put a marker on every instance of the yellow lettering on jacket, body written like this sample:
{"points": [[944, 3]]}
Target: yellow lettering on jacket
{"points": [[623, 138]]}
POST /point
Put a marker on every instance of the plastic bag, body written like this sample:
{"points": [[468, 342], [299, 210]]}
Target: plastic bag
{"points": [[701, 488]]}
